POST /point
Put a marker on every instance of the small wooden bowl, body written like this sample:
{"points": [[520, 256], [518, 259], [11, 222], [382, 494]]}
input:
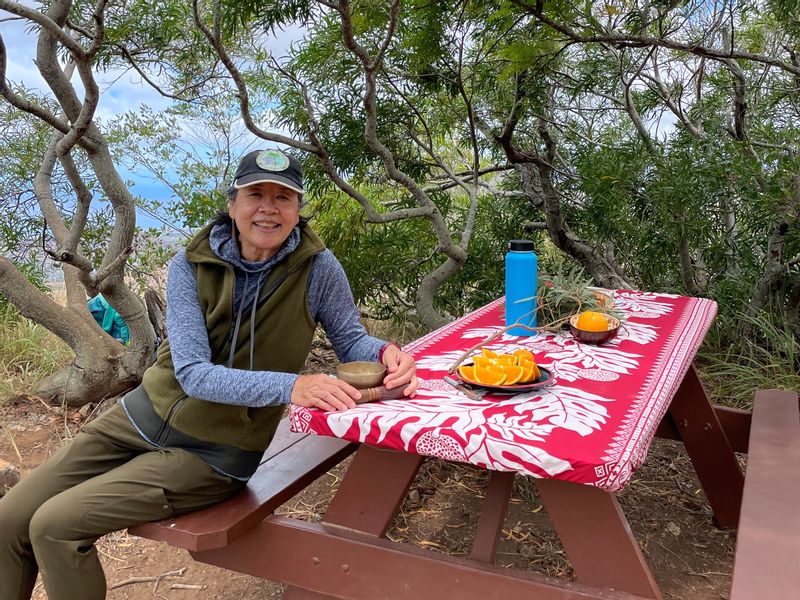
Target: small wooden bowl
{"points": [[361, 375], [594, 337]]}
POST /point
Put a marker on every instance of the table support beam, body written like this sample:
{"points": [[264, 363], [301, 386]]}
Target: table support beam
{"points": [[333, 562], [493, 514], [373, 489], [596, 537], [735, 423], [709, 450], [368, 498]]}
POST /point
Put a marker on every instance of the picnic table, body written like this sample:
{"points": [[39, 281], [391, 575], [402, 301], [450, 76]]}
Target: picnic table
{"points": [[582, 438]]}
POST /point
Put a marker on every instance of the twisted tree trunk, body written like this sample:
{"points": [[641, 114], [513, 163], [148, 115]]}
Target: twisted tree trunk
{"points": [[102, 366]]}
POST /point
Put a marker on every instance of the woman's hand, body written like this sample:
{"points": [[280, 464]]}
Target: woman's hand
{"points": [[322, 391], [402, 370]]}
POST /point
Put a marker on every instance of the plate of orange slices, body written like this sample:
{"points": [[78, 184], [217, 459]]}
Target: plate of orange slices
{"points": [[510, 373]]}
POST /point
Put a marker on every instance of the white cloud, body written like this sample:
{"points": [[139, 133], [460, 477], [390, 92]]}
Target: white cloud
{"points": [[20, 53], [121, 91]]}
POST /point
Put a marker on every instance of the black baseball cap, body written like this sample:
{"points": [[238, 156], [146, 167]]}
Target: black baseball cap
{"points": [[260, 166]]}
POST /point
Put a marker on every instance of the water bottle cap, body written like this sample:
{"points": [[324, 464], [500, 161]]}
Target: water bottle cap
{"points": [[520, 246]]}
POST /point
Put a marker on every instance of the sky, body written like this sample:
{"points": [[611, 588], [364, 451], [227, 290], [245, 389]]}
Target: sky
{"points": [[120, 92]]}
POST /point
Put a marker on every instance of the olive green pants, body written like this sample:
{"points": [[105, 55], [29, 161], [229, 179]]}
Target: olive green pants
{"points": [[108, 478]]}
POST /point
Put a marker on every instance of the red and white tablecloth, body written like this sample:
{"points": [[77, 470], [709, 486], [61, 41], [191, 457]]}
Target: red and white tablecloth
{"points": [[593, 425]]}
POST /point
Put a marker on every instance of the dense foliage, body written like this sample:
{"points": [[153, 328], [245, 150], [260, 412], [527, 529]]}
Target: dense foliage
{"points": [[653, 144]]}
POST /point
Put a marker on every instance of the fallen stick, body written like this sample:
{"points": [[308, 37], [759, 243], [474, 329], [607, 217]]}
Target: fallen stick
{"points": [[149, 579]]}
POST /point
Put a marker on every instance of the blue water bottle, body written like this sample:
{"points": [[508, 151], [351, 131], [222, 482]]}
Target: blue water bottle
{"points": [[521, 272]]}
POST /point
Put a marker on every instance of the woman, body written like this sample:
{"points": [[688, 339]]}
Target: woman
{"points": [[244, 299]]}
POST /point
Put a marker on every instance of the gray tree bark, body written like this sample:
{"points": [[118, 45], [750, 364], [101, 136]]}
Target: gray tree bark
{"points": [[102, 367]]}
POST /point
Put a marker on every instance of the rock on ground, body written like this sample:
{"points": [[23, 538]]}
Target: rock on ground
{"points": [[9, 476]]}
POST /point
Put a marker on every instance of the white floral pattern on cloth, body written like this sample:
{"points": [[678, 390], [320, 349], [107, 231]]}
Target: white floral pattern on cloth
{"points": [[435, 443], [598, 375], [593, 425]]}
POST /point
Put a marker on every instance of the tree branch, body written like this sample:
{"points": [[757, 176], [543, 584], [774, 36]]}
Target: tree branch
{"points": [[42, 187], [84, 121], [37, 306], [394, 11], [136, 67], [504, 138], [312, 129], [465, 177], [371, 137], [622, 40], [695, 129], [84, 200], [99, 31], [47, 24], [22, 103], [630, 106], [241, 87]]}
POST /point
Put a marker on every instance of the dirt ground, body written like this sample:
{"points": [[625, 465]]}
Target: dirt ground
{"points": [[667, 511]]}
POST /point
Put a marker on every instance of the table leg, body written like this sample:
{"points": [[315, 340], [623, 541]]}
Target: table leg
{"points": [[597, 537], [368, 497], [709, 450], [493, 513]]}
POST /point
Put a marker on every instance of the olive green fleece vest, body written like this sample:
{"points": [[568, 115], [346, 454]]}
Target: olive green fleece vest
{"points": [[284, 330]]}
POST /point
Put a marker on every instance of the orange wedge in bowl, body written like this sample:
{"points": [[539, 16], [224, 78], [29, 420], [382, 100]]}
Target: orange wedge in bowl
{"points": [[489, 353], [506, 359], [531, 370], [467, 372], [489, 376], [483, 362], [513, 373], [523, 354]]}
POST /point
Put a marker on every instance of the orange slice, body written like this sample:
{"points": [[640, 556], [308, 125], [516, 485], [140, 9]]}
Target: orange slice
{"points": [[483, 362], [467, 372], [488, 353], [531, 366], [522, 353], [489, 376], [513, 374], [506, 359], [527, 375], [526, 363]]}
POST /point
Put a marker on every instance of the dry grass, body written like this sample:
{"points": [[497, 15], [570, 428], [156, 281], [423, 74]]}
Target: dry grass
{"points": [[28, 351], [770, 361]]}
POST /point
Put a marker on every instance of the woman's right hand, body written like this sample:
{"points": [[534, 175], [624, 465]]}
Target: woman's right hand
{"points": [[324, 392]]}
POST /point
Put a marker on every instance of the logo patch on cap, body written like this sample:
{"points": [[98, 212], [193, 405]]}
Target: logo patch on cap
{"points": [[272, 160]]}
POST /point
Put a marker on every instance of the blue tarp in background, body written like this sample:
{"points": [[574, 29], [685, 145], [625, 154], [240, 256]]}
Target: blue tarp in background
{"points": [[109, 319]]}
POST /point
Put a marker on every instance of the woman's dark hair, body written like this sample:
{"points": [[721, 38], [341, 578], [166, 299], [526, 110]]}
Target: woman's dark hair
{"points": [[221, 218]]}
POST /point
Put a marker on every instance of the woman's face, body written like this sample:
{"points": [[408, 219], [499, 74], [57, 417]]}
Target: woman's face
{"points": [[265, 214]]}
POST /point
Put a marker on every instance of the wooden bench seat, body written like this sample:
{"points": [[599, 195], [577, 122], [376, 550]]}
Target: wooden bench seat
{"points": [[292, 461], [767, 562]]}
